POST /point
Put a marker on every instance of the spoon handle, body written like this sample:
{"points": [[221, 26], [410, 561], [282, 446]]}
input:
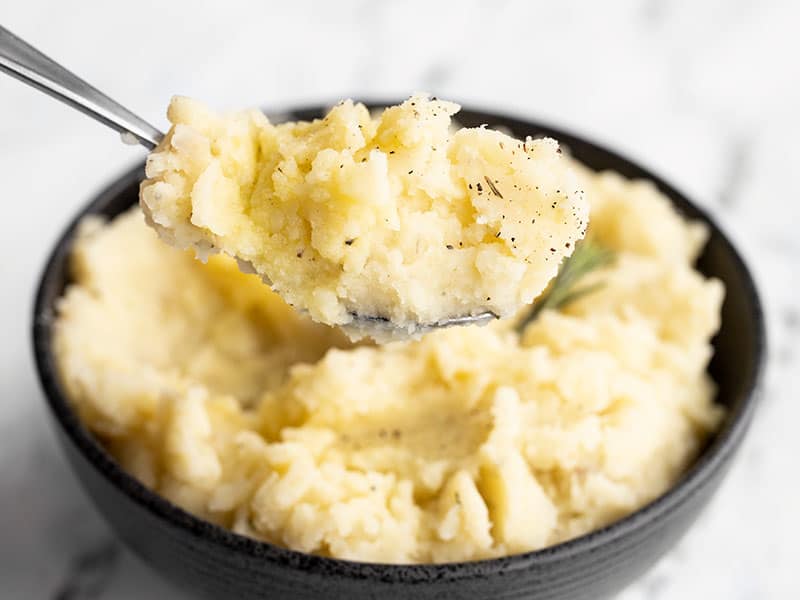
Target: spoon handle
{"points": [[24, 62]]}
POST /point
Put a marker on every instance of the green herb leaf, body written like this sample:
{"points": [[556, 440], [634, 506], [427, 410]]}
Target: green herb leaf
{"points": [[587, 257]]}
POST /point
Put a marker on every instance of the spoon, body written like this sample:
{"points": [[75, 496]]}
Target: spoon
{"points": [[25, 63]]}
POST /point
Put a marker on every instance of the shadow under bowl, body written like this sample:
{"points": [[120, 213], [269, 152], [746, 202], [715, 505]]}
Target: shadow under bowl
{"points": [[214, 562]]}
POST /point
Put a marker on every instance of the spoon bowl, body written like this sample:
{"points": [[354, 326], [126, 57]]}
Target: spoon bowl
{"points": [[27, 64], [382, 329]]}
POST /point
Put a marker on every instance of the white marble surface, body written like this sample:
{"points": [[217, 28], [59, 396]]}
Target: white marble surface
{"points": [[704, 92]]}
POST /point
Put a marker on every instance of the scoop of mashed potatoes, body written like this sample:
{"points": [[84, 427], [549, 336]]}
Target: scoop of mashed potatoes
{"points": [[395, 218], [469, 443]]}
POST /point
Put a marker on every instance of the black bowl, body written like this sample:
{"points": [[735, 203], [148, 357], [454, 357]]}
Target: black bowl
{"points": [[216, 563]]}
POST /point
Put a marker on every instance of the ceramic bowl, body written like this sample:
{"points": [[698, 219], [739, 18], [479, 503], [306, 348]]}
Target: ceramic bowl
{"points": [[213, 562]]}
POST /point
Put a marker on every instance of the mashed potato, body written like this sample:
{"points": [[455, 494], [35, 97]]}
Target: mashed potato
{"points": [[470, 443], [393, 218]]}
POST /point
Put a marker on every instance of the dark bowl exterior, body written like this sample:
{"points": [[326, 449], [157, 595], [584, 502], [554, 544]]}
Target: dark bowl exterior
{"points": [[216, 563]]}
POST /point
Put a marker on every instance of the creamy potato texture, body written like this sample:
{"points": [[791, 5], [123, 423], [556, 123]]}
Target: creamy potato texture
{"points": [[395, 216], [470, 443]]}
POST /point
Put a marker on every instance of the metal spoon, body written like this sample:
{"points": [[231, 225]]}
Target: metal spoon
{"points": [[24, 62], [383, 330]]}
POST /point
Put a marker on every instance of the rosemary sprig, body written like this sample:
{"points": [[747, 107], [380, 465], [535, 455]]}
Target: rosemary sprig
{"points": [[587, 257]]}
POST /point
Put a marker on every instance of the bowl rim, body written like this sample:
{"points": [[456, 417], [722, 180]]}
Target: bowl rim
{"points": [[713, 457]]}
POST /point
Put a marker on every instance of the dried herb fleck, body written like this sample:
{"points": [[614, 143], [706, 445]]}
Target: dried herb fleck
{"points": [[492, 187]]}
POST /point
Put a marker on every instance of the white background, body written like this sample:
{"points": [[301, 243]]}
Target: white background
{"points": [[706, 93]]}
